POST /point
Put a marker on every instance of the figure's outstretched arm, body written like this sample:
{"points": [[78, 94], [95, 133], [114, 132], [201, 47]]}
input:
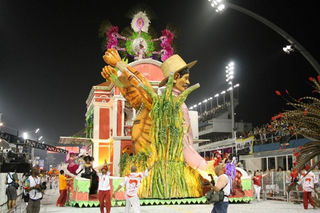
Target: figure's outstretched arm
{"points": [[112, 57], [134, 77], [183, 96]]}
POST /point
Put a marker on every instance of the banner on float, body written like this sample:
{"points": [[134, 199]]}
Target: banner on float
{"points": [[246, 143], [74, 149]]}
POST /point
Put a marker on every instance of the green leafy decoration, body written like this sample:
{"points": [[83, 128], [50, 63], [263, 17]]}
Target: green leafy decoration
{"points": [[146, 37]]}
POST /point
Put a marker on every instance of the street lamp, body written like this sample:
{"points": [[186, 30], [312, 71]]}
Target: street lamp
{"points": [[199, 104], [217, 96], [26, 136], [224, 96], [205, 104], [210, 99], [220, 6], [229, 78], [288, 49]]}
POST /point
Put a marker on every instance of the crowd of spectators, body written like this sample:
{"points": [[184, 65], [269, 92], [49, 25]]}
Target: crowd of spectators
{"points": [[214, 112], [275, 131]]}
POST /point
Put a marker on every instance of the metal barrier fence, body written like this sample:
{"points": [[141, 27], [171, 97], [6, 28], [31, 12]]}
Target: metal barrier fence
{"points": [[275, 186]]}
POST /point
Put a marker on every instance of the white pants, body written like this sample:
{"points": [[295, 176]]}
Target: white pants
{"points": [[257, 190], [134, 202]]}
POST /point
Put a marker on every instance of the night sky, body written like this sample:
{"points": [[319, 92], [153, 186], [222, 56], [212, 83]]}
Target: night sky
{"points": [[51, 56]]}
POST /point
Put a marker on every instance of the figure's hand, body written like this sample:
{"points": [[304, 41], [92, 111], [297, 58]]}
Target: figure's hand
{"points": [[106, 72], [111, 57], [113, 195]]}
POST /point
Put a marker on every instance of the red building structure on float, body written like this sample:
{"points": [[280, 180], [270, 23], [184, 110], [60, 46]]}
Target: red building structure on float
{"points": [[109, 117]]}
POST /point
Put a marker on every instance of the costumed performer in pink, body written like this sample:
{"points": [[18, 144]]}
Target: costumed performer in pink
{"points": [[71, 160]]}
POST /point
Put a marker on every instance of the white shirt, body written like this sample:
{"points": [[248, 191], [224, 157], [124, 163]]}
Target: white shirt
{"points": [[132, 183], [226, 189], [104, 182], [34, 193], [308, 182], [9, 179]]}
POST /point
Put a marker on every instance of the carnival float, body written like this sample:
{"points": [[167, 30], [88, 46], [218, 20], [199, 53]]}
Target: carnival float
{"points": [[138, 116]]}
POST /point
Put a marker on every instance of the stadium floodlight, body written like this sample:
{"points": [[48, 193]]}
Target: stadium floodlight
{"points": [[223, 92], [40, 138], [216, 95], [25, 135], [237, 85], [229, 77], [37, 130]]}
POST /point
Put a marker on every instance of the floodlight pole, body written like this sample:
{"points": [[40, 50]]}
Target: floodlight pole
{"points": [[232, 112], [281, 32]]}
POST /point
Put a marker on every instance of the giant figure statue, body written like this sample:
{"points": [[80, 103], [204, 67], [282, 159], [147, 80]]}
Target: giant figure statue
{"points": [[138, 98], [163, 137], [181, 72]]}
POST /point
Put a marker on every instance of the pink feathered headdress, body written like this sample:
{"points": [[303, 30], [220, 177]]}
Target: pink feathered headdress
{"points": [[166, 53], [112, 39], [168, 37]]}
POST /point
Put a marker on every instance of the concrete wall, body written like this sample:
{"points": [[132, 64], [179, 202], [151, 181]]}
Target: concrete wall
{"points": [[3, 196], [218, 125], [253, 164]]}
